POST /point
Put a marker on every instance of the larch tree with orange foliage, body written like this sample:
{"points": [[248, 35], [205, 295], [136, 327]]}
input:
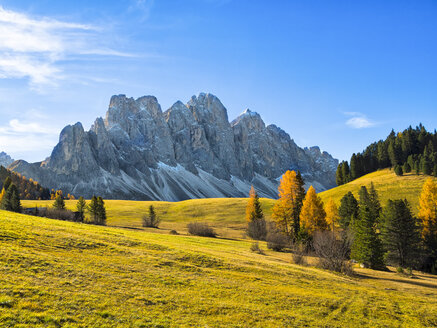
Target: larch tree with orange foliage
{"points": [[428, 216], [286, 211], [332, 216], [313, 215]]}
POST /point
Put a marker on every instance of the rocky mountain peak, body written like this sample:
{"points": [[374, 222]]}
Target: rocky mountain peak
{"points": [[5, 159], [189, 151]]}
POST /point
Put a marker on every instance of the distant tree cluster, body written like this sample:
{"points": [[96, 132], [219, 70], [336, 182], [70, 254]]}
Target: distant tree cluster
{"points": [[413, 150], [27, 188]]}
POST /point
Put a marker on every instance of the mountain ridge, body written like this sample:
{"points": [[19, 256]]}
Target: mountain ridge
{"points": [[191, 150]]}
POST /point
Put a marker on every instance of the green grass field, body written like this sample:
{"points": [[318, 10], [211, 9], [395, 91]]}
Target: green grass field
{"points": [[388, 185], [63, 274]]}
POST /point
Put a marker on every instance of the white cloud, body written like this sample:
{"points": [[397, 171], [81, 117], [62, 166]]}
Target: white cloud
{"points": [[34, 47], [359, 121], [23, 136]]}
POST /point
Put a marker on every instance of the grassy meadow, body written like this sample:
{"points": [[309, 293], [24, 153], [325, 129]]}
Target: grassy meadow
{"points": [[63, 274], [388, 185], [226, 215]]}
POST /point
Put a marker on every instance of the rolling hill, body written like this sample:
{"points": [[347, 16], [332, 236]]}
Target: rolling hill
{"points": [[63, 274], [388, 185]]}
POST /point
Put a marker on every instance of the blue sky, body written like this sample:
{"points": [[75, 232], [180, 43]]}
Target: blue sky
{"points": [[337, 74]]}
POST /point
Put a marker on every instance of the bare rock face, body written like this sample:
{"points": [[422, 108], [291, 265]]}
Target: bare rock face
{"points": [[5, 159], [189, 151]]}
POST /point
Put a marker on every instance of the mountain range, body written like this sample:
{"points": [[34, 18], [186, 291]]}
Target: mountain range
{"points": [[191, 150]]}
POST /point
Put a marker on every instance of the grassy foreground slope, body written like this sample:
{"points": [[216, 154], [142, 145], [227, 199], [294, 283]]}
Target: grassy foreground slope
{"points": [[64, 274], [388, 185]]}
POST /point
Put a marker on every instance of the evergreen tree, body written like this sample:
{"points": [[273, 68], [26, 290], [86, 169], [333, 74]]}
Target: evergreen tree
{"points": [[7, 183], [428, 216], [339, 175], [354, 167], [253, 208], [11, 199], [400, 234], [348, 210], [425, 165], [398, 170], [93, 210], [101, 211], [345, 172], [366, 247], [406, 168], [394, 152], [80, 208], [332, 217], [434, 171], [256, 225], [312, 216], [374, 204], [287, 207], [59, 202]]}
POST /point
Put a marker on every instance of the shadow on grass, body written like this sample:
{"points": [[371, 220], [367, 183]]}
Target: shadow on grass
{"points": [[415, 282]]}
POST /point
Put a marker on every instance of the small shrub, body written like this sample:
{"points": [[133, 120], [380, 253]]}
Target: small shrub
{"points": [[173, 232], [298, 255], [399, 270], [151, 220], [256, 249], [200, 229], [333, 252], [257, 229], [58, 214], [277, 241]]}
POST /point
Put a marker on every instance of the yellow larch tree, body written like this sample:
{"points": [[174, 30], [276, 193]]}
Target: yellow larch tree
{"points": [[287, 208], [312, 216], [428, 209], [332, 217]]}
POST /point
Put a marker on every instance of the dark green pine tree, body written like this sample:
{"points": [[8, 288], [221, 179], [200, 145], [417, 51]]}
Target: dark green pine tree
{"points": [[425, 165], [345, 172], [348, 210], [434, 171], [339, 175], [400, 233], [406, 168], [394, 152], [398, 170], [7, 183], [366, 247], [59, 202], [374, 203], [80, 208], [299, 202], [354, 167], [93, 210], [11, 199], [101, 211]]}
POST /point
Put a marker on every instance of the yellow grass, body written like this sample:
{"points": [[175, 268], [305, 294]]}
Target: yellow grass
{"points": [[64, 274], [388, 185], [226, 215]]}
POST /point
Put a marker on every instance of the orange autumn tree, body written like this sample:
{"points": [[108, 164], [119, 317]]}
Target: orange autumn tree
{"points": [[428, 211], [312, 216], [287, 208], [332, 216]]}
